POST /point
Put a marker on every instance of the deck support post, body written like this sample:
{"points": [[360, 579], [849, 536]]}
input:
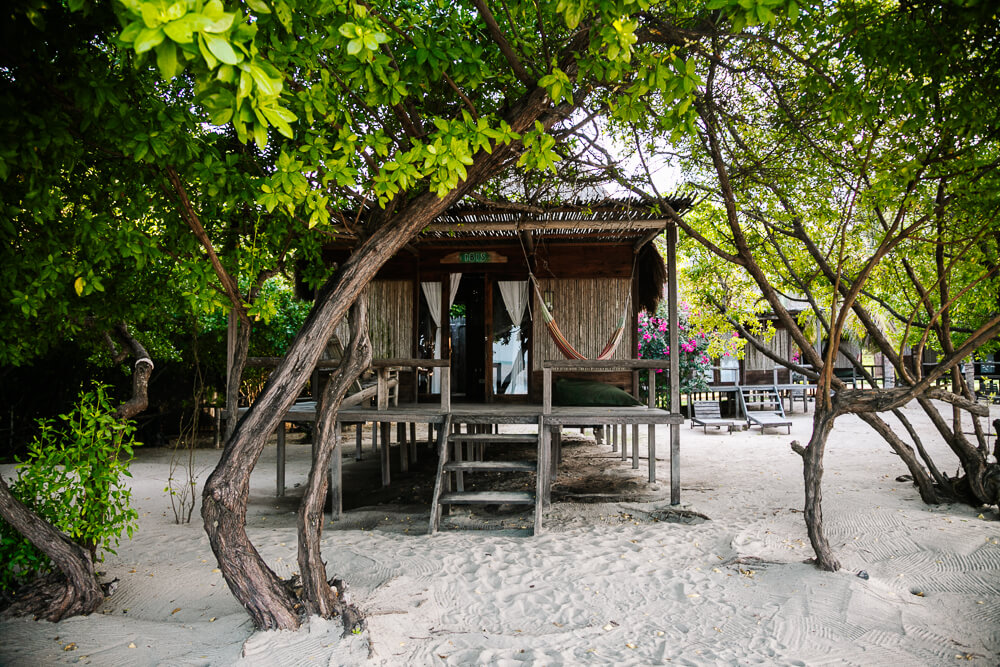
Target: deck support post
{"points": [[635, 446], [651, 447], [280, 492], [675, 370], [335, 476], [385, 432], [357, 441]]}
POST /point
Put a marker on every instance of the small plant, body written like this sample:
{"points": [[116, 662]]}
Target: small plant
{"points": [[182, 480], [72, 477]]}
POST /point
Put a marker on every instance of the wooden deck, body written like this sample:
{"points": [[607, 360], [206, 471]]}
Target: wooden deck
{"points": [[612, 420]]}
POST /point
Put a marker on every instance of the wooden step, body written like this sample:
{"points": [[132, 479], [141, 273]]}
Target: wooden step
{"points": [[491, 466], [488, 498], [495, 438]]}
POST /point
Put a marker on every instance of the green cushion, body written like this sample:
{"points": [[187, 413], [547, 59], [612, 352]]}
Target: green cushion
{"points": [[568, 391]]}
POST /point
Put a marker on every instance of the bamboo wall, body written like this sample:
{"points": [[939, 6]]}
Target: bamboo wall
{"points": [[587, 310], [390, 319], [781, 345]]}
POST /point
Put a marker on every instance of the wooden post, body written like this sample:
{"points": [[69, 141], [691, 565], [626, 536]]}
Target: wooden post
{"points": [[382, 388], [614, 437], [556, 450], [281, 460], [357, 441], [335, 477], [459, 457], [542, 485], [635, 446], [624, 439], [384, 432], [652, 427], [675, 370], [546, 391], [446, 389]]}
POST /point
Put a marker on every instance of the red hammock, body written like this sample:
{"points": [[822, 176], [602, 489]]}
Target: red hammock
{"points": [[564, 345]]}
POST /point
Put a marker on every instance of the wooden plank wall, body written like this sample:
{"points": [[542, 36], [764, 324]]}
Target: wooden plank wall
{"points": [[587, 311], [781, 345], [390, 319]]}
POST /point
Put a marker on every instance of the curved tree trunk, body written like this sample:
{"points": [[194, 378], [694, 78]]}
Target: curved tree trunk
{"points": [[317, 594], [79, 593], [973, 461], [256, 587], [941, 479], [920, 477], [235, 376], [812, 472]]}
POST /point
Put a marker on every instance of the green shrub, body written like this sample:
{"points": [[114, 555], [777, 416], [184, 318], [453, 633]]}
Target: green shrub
{"points": [[72, 477]]}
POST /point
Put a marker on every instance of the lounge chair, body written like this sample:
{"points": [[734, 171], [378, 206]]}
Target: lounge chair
{"points": [[708, 413], [762, 406]]}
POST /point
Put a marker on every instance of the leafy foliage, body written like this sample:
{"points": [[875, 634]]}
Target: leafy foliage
{"points": [[73, 478], [697, 348]]}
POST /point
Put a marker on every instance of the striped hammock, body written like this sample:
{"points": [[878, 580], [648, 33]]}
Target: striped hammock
{"points": [[564, 345]]}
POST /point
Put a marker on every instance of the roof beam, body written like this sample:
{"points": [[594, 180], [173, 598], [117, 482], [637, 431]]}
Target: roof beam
{"points": [[581, 224]]}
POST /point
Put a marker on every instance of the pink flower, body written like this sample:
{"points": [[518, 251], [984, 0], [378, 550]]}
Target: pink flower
{"points": [[646, 336]]}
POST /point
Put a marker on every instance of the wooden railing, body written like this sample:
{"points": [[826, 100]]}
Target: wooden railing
{"points": [[635, 365]]}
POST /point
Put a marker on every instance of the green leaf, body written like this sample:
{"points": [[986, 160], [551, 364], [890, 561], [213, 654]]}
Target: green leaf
{"points": [[220, 48], [793, 11], [148, 39], [260, 136], [166, 60], [258, 6], [284, 14], [78, 285], [130, 32], [181, 30]]}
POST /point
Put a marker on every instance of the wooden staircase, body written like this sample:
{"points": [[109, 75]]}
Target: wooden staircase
{"points": [[451, 468], [762, 406]]}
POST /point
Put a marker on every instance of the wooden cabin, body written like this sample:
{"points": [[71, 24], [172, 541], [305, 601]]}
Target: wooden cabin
{"points": [[479, 313], [462, 290]]}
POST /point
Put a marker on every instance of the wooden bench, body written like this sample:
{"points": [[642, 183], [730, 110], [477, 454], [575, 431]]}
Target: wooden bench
{"points": [[708, 413]]}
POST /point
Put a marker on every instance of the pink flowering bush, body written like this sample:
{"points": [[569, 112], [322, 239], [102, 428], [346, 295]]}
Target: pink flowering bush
{"points": [[654, 343]]}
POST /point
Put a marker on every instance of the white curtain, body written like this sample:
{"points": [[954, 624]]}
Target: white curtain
{"points": [[432, 292], [515, 300]]}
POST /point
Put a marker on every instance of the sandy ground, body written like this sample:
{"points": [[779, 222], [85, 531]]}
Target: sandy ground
{"points": [[618, 579]]}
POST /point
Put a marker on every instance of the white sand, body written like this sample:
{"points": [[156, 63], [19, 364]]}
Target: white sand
{"points": [[604, 584]]}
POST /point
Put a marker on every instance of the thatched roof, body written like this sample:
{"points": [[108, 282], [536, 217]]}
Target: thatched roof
{"points": [[601, 218]]}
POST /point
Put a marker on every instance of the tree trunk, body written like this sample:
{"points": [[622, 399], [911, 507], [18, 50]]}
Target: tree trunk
{"points": [[940, 479], [79, 593], [973, 461], [812, 471], [317, 595], [920, 477], [235, 377], [225, 495]]}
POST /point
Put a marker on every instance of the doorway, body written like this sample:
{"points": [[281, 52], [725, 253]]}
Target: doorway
{"points": [[467, 318]]}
